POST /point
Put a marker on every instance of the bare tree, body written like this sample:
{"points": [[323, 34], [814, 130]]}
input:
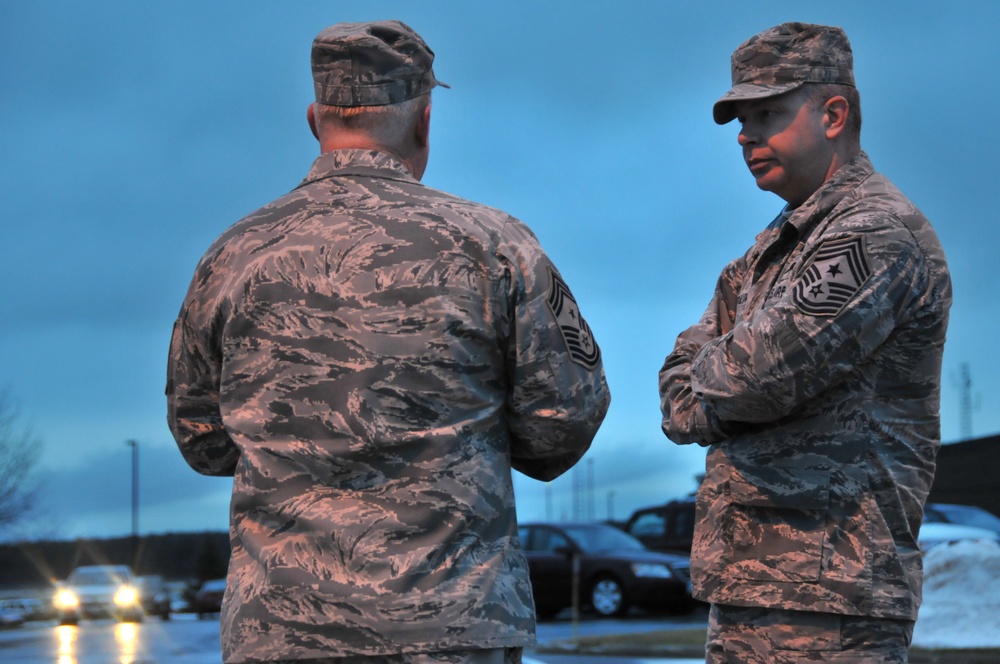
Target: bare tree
{"points": [[19, 453]]}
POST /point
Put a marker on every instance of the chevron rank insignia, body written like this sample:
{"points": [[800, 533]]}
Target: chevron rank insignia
{"points": [[575, 331], [838, 270]]}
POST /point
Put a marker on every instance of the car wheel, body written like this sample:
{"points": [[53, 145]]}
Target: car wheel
{"points": [[608, 597]]}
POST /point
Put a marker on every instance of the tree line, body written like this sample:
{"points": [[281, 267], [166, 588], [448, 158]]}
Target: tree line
{"points": [[191, 557]]}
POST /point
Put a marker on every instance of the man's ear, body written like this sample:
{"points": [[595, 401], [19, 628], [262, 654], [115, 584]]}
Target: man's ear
{"points": [[423, 128], [835, 113], [311, 117]]}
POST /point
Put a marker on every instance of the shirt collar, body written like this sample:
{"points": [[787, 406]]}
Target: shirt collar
{"points": [[824, 199], [355, 162]]}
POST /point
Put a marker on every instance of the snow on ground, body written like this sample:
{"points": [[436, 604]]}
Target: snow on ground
{"points": [[961, 606]]}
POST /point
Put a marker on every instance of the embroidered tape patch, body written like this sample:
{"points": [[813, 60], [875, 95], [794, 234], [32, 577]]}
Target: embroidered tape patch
{"points": [[839, 269], [575, 331]]}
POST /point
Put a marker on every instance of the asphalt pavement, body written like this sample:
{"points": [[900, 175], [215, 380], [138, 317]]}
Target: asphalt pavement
{"points": [[187, 640], [557, 639]]}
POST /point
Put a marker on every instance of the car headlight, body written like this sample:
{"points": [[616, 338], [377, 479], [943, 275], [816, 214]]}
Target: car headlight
{"points": [[652, 571], [66, 599], [126, 596]]}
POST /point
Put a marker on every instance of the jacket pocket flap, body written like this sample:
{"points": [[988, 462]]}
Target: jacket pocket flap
{"points": [[800, 489]]}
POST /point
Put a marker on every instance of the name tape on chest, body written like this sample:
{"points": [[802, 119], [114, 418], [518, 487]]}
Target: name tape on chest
{"points": [[839, 269], [575, 331]]}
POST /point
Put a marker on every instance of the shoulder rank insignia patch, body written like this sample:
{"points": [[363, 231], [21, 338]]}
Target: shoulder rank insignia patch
{"points": [[838, 270], [575, 331]]}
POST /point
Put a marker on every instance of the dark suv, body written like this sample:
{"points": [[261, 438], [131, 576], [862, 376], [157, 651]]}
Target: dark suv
{"points": [[668, 527]]}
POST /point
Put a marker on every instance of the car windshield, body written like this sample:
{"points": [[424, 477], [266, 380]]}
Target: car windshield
{"points": [[596, 537], [149, 582], [95, 577]]}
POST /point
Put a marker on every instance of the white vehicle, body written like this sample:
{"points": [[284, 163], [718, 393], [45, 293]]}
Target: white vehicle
{"points": [[13, 612], [97, 591], [963, 515], [934, 533]]}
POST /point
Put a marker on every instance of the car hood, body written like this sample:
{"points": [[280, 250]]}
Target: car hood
{"points": [[95, 590]]}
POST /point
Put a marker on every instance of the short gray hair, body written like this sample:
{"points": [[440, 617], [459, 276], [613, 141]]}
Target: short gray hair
{"points": [[817, 94], [387, 123]]}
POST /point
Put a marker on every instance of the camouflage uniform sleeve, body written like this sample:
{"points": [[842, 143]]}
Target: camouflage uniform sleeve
{"points": [[557, 395], [193, 411], [685, 420], [798, 346]]}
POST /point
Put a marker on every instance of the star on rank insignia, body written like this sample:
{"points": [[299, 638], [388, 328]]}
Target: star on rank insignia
{"points": [[575, 331], [838, 270]]}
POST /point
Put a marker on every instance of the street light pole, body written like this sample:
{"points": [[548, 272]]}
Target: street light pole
{"points": [[135, 499]]}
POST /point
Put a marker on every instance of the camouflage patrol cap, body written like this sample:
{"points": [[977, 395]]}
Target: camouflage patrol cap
{"points": [[371, 64], [781, 59]]}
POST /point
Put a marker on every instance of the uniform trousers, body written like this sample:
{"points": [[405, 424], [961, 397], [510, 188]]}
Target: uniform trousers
{"points": [[754, 635]]}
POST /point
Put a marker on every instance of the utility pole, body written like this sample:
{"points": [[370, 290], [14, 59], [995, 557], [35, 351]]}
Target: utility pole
{"points": [[578, 494], [548, 501], [965, 403], [590, 489], [135, 501]]}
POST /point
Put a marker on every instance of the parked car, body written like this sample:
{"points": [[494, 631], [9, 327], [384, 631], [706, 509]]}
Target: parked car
{"points": [[934, 533], [668, 527], [154, 596], [964, 515], [208, 599], [96, 591], [615, 570], [945, 523], [13, 613]]}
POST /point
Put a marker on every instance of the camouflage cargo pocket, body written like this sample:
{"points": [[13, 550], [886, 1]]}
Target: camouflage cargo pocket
{"points": [[776, 533], [847, 549]]}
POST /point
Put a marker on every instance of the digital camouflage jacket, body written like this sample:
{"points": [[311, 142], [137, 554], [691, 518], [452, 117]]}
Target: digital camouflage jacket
{"points": [[369, 358], [814, 377]]}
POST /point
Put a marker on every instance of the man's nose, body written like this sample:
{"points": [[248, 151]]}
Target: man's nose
{"points": [[746, 136]]}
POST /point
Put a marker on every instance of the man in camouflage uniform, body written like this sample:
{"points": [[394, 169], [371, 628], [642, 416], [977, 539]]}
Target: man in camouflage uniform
{"points": [[369, 358], [814, 378]]}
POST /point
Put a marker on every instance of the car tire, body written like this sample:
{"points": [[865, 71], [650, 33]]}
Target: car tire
{"points": [[607, 596]]}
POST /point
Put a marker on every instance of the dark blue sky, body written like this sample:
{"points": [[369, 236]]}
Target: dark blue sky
{"points": [[134, 133]]}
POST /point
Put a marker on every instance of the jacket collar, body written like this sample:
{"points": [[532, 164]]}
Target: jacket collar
{"points": [[357, 162], [819, 205]]}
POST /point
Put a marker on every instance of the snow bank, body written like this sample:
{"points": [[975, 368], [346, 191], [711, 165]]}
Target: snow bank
{"points": [[961, 607]]}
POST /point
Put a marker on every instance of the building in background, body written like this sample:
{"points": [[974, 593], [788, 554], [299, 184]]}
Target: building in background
{"points": [[968, 473]]}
